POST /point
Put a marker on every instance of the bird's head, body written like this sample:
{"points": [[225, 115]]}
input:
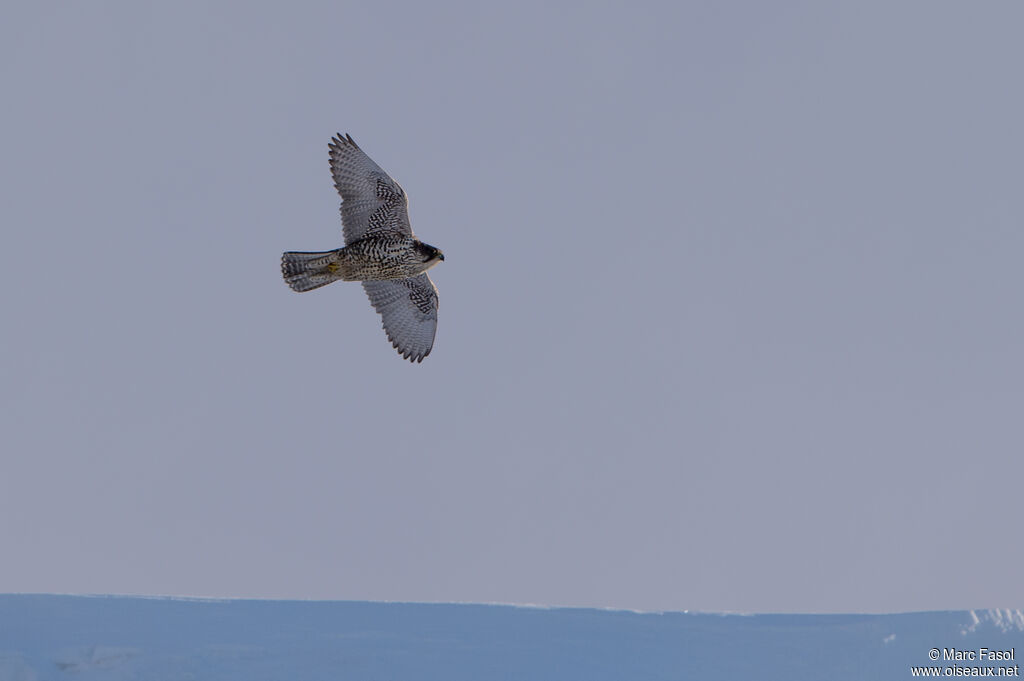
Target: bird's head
{"points": [[429, 254]]}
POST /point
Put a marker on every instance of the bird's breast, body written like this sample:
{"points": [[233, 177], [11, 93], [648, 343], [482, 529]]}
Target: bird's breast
{"points": [[379, 259]]}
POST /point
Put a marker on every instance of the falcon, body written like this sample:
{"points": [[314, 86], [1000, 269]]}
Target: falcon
{"points": [[380, 251]]}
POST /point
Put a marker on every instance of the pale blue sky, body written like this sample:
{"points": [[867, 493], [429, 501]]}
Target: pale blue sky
{"points": [[730, 315]]}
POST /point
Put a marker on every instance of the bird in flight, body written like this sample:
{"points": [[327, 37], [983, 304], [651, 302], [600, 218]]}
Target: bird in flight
{"points": [[380, 251]]}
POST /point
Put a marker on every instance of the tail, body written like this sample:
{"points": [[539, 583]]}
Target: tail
{"points": [[307, 271]]}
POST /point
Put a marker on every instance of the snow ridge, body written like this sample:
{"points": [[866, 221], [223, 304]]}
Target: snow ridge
{"points": [[1004, 619]]}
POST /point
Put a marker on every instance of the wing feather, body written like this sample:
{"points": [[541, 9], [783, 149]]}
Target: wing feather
{"points": [[408, 308], [372, 203]]}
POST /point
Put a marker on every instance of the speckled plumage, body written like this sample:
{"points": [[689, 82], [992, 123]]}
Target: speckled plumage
{"points": [[381, 251]]}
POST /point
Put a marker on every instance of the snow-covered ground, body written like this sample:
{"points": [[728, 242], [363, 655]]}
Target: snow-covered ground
{"points": [[87, 638]]}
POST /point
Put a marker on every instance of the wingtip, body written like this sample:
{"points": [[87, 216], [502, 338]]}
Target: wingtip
{"points": [[339, 140], [409, 354]]}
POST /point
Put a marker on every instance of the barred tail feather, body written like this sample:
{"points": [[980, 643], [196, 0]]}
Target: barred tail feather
{"points": [[308, 271]]}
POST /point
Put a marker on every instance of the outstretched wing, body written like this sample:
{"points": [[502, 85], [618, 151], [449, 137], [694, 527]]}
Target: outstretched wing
{"points": [[409, 309], [372, 204]]}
